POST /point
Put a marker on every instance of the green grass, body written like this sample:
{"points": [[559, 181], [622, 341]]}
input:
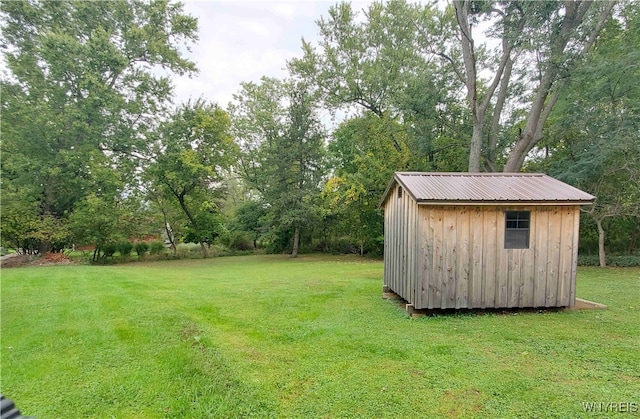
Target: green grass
{"points": [[267, 336]]}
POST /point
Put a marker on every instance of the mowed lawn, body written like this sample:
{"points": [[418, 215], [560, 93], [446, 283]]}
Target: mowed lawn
{"points": [[267, 336]]}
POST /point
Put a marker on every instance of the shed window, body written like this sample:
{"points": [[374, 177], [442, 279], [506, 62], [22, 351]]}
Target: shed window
{"points": [[516, 232], [399, 191]]}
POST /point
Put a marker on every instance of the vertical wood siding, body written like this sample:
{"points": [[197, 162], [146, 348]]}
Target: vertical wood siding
{"points": [[454, 256]]}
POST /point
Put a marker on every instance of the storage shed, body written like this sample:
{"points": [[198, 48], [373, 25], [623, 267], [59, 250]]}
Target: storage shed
{"points": [[481, 240]]}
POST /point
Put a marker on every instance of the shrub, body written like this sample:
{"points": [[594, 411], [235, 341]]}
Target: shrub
{"points": [[240, 240], [342, 247], [125, 248], [109, 249], [623, 261], [141, 248], [156, 247], [189, 251]]}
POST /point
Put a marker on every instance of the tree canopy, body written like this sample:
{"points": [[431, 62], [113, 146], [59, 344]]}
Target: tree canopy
{"points": [[82, 92], [94, 151]]}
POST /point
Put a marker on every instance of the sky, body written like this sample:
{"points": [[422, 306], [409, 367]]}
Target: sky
{"points": [[244, 40]]}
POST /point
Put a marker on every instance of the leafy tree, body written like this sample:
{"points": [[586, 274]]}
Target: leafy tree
{"points": [[376, 62], [82, 89], [258, 115], [98, 221], [363, 61], [550, 37], [249, 217], [295, 166], [593, 139], [365, 158], [282, 157], [192, 151]]}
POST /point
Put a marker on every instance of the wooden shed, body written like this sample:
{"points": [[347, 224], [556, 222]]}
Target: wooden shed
{"points": [[481, 240]]}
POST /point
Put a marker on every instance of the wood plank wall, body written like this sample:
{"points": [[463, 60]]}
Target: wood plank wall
{"points": [[400, 233], [454, 256]]}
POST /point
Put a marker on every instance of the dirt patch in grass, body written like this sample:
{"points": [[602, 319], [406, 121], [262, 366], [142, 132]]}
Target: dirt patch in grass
{"points": [[48, 259]]}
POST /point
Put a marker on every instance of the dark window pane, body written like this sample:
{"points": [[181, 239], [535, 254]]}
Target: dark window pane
{"points": [[516, 234]]}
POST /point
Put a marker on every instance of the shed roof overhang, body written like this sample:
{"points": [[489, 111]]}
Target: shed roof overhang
{"points": [[498, 189]]}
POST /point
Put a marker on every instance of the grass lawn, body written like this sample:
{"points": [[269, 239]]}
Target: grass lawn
{"points": [[267, 336]]}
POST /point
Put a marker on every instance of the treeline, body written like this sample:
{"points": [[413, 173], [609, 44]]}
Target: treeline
{"points": [[94, 154]]}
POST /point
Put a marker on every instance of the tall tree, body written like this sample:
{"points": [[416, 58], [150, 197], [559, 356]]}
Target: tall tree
{"points": [[548, 37], [384, 61], [282, 142], [81, 91], [192, 152], [365, 158], [363, 60], [593, 138], [296, 165]]}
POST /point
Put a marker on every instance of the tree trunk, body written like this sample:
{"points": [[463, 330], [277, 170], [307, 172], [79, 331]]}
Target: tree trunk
{"points": [[601, 253], [475, 149], [296, 241], [632, 241], [205, 252]]}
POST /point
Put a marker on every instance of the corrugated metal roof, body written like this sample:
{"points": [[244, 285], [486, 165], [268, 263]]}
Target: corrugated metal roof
{"points": [[425, 187]]}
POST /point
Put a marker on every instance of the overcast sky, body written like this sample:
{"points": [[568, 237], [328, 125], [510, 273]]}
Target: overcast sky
{"points": [[245, 40]]}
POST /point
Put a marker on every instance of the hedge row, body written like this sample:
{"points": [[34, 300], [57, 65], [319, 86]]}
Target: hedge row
{"points": [[623, 261]]}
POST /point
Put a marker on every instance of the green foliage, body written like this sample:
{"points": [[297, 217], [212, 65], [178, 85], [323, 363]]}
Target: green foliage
{"points": [[365, 59], [95, 221], [156, 247], [81, 90], [623, 261], [366, 151], [249, 217], [283, 157], [109, 249], [592, 141], [141, 248], [382, 60], [125, 248], [189, 251], [191, 152], [237, 240]]}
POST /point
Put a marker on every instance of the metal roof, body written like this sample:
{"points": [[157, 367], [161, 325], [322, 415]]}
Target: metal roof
{"points": [[487, 188]]}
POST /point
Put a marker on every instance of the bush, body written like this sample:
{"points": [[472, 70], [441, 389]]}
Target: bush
{"points": [[156, 247], [141, 248], [342, 247], [241, 240], [109, 249], [189, 251], [623, 261], [125, 248]]}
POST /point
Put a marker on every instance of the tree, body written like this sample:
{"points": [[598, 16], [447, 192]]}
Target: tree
{"points": [[550, 37], [282, 157], [192, 151], [248, 217], [375, 62], [296, 165], [593, 136], [364, 156], [363, 61], [83, 87], [385, 61], [258, 114]]}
